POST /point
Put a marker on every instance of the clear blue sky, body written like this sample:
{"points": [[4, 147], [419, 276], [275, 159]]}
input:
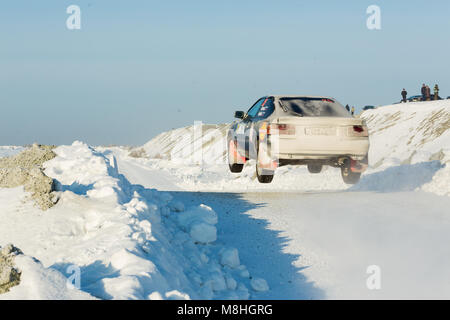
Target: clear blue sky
{"points": [[137, 68]]}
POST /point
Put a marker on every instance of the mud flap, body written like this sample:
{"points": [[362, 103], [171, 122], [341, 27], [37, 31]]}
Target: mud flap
{"points": [[234, 154], [265, 161], [358, 166]]}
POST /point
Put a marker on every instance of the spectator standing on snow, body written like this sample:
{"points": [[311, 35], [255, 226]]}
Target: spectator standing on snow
{"points": [[348, 108], [436, 92], [404, 94], [353, 111], [424, 92], [428, 94]]}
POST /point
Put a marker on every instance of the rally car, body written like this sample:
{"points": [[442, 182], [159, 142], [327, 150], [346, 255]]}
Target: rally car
{"points": [[298, 130]]}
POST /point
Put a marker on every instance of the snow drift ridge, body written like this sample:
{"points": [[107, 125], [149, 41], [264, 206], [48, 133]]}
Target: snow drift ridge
{"points": [[129, 242]]}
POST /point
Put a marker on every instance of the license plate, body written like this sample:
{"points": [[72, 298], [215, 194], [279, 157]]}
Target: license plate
{"points": [[320, 131]]}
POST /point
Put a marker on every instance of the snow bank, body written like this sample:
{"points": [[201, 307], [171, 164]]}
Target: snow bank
{"points": [[408, 133], [128, 242], [40, 283], [196, 144], [409, 147], [440, 184]]}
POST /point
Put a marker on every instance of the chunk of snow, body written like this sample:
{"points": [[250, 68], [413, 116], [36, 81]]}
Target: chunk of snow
{"points": [[230, 258], [203, 233], [259, 284], [218, 282], [177, 295], [202, 213], [155, 296], [231, 283], [176, 206]]}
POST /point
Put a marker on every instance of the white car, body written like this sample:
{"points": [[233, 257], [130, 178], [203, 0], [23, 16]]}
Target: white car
{"points": [[298, 130]]}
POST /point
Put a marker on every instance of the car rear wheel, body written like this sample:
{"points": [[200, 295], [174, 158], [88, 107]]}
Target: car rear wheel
{"points": [[350, 177], [314, 168], [232, 158], [263, 175]]}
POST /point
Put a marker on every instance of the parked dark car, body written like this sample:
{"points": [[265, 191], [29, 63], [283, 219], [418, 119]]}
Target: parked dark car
{"points": [[414, 99], [419, 98], [368, 108]]}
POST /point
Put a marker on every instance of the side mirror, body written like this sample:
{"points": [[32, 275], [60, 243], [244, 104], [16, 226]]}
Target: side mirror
{"points": [[239, 114]]}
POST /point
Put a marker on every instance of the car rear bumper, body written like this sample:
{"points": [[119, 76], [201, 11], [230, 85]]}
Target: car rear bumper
{"points": [[316, 156], [356, 148]]}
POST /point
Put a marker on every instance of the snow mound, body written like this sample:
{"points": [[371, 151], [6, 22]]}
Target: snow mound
{"points": [[408, 133], [409, 147], [25, 169], [28, 279], [199, 223], [9, 274], [196, 144], [128, 242]]}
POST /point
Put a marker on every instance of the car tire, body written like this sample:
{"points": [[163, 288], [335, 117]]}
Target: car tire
{"points": [[234, 167], [350, 177], [263, 175], [315, 168]]}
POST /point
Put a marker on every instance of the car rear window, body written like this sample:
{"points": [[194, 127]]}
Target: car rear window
{"points": [[314, 107], [267, 108]]}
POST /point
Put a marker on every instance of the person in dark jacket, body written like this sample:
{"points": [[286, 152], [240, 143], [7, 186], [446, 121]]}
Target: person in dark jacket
{"points": [[404, 94], [424, 92], [428, 94], [436, 92]]}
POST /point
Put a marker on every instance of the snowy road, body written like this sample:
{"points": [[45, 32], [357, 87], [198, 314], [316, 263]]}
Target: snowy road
{"points": [[319, 245]]}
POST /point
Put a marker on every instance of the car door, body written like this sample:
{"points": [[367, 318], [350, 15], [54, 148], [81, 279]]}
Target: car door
{"points": [[244, 127], [265, 110]]}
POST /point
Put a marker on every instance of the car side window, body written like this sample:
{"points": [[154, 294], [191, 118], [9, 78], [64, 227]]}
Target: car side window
{"points": [[253, 111], [267, 108]]}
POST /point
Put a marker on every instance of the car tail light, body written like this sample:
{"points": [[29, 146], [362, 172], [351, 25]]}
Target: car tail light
{"points": [[281, 129], [358, 131]]}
